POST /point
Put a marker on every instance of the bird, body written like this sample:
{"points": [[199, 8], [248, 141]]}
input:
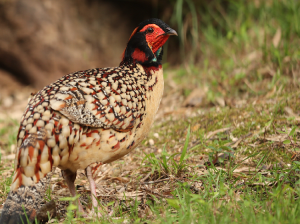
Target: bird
{"points": [[86, 119]]}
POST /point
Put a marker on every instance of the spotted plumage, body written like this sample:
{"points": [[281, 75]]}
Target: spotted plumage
{"points": [[92, 117]]}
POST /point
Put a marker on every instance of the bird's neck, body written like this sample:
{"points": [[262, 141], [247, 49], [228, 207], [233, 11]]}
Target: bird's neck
{"points": [[143, 55], [139, 52]]}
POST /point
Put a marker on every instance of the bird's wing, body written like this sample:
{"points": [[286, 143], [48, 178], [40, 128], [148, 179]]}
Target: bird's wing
{"points": [[106, 98]]}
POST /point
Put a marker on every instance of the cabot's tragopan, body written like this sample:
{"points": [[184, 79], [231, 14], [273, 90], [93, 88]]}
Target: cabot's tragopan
{"points": [[86, 119]]}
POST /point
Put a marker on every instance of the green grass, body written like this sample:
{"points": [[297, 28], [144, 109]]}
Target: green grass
{"points": [[235, 45], [8, 138], [233, 53]]}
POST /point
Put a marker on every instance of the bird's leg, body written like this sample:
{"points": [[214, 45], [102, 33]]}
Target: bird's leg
{"points": [[70, 177], [89, 175]]}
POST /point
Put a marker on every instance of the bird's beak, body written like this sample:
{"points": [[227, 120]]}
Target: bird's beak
{"points": [[170, 32]]}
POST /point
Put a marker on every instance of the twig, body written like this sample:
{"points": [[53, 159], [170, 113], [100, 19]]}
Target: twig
{"points": [[249, 85], [155, 181], [237, 142], [158, 194], [212, 133], [145, 178]]}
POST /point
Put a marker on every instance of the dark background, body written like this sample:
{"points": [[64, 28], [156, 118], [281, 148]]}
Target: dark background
{"points": [[41, 41]]}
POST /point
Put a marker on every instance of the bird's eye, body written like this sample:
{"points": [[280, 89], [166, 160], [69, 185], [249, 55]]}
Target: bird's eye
{"points": [[150, 30]]}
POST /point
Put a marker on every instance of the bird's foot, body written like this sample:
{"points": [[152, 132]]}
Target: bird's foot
{"points": [[81, 212], [96, 212]]}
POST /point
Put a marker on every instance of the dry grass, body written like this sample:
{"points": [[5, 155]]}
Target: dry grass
{"points": [[224, 147]]}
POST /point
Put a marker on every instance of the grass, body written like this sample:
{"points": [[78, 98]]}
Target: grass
{"points": [[233, 157]]}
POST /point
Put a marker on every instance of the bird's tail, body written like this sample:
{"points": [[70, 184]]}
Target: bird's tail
{"points": [[30, 181], [23, 204]]}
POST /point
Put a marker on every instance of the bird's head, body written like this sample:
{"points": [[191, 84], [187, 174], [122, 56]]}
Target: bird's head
{"points": [[146, 42]]}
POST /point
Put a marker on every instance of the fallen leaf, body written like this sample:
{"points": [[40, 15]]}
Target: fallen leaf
{"points": [[245, 170], [195, 99], [266, 71], [291, 113], [195, 127], [276, 38]]}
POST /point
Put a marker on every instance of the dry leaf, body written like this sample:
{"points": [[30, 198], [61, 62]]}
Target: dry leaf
{"points": [[244, 170], [254, 55], [291, 113], [195, 127], [276, 38], [196, 97], [266, 71]]}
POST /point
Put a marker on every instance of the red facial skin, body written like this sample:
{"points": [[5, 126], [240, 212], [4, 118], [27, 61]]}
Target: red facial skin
{"points": [[157, 38]]}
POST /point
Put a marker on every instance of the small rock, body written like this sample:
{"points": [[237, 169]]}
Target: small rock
{"points": [[13, 148], [156, 135], [220, 101], [8, 101], [232, 137], [151, 142]]}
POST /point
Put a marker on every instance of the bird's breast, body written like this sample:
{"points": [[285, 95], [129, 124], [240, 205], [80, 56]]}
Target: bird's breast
{"points": [[155, 88]]}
